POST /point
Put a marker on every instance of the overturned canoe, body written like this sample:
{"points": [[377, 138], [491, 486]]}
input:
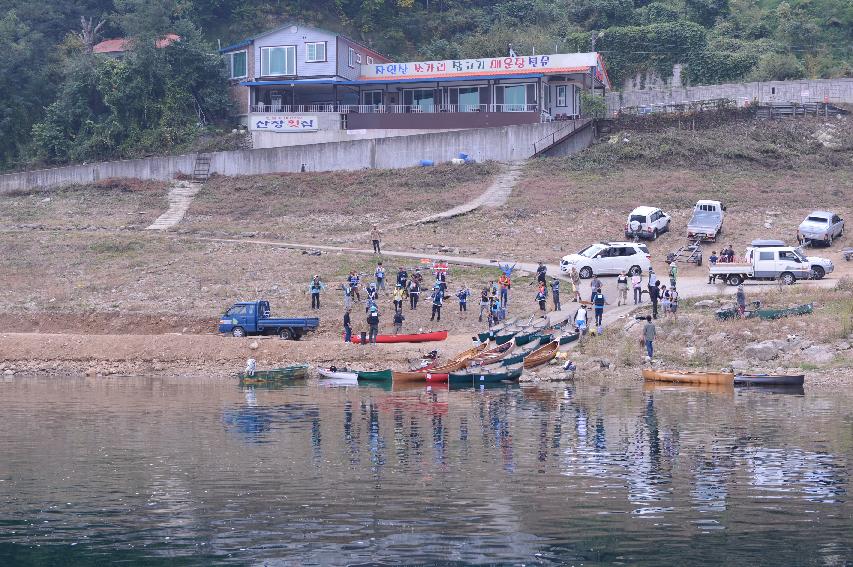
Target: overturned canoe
{"points": [[338, 373], [568, 338], [770, 379], [688, 377], [542, 355], [378, 375], [294, 372], [487, 374], [410, 338], [769, 314]]}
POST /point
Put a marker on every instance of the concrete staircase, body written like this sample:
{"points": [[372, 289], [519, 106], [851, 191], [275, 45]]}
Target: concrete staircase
{"points": [[181, 196]]}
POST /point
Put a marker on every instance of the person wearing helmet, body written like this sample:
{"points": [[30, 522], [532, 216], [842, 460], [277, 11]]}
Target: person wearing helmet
{"points": [[373, 324]]}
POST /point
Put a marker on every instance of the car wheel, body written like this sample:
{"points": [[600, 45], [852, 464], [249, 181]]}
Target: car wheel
{"points": [[829, 241], [238, 332], [285, 334], [735, 280], [585, 273], [655, 234], [788, 278], [635, 271], [818, 272]]}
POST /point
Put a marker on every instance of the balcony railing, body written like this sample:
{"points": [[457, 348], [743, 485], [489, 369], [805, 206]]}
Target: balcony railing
{"points": [[390, 108]]}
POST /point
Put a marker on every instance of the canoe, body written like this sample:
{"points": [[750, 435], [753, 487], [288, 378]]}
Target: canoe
{"points": [[378, 375], [522, 339], [410, 338], [490, 356], [770, 379], [487, 374], [424, 375], [518, 354], [568, 338], [338, 373], [507, 335], [494, 329], [542, 355], [688, 377], [769, 314], [294, 372], [458, 362]]}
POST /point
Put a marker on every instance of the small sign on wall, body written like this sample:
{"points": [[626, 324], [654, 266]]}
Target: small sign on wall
{"points": [[280, 123]]}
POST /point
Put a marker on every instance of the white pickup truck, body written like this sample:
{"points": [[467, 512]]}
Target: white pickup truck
{"points": [[765, 260], [706, 223]]}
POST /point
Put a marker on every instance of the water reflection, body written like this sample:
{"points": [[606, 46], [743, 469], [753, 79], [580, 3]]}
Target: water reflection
{"points": [[508, 474]]}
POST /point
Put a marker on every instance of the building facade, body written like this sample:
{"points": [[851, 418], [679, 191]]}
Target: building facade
{"points": [[299, 85]]}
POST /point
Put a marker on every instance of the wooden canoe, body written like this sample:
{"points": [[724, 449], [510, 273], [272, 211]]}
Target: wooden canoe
{"points": [[426, 375], [459, 361], [688, 377], [518, 354], [769, 380], [410, 338], [542, 355], [487, 374], [378, 375], [294, 372], [490, 356]]}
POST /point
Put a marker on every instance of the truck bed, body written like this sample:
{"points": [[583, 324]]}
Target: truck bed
{"points": [[295, 323], [704, 222]]}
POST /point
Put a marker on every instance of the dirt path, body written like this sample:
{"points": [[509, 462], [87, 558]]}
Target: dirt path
{"points": [[181, 195]]}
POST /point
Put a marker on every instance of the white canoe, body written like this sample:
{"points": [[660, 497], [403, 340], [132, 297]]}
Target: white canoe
{"points": [[338, 374]]}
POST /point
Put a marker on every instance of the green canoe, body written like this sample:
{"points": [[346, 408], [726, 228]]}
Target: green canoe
{"points": [[294, 372], [487, 374], [768, 314], [378, 375], [569, 338]]}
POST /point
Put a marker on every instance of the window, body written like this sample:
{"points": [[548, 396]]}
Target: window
{"points": [[237, 64], [278, 60], [765, 256], [351, 57], [236, 311], [358, 58], [561, 95], [315, 52], [423, 99], [369, 60], [372, 98]]}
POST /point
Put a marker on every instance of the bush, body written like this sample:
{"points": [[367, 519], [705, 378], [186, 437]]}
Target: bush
{"points": [[778, 67], [593, 106]]}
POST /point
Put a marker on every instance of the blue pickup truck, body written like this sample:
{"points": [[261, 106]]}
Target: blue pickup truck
{"points": [[253, 318]]}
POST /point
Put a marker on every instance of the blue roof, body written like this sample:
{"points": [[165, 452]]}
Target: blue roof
{"points": [[385, 81]]}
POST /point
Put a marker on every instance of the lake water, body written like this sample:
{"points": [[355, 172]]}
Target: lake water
{"points": [[150, 471]]}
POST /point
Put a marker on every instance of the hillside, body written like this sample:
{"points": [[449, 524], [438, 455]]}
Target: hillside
{"points": [[61, 105]]}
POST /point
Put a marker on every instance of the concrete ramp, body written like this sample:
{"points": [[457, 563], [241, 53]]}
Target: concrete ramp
{"points": [[181, 195]]}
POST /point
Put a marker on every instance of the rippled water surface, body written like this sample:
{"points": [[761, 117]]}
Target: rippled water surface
{"points": [[155, 471]]}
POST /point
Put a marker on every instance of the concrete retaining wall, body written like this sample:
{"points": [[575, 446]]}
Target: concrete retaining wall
{"points": [[508, 143], [579, 139], [834, 90]]}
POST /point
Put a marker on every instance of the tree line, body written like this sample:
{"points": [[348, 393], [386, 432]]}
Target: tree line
{"points": [[61, 103]]}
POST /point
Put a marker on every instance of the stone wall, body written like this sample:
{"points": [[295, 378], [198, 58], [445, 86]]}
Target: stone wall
{"points": [[818, 90]]}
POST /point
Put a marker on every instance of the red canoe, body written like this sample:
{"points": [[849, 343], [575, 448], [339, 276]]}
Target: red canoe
{"points": [[413, 338]]}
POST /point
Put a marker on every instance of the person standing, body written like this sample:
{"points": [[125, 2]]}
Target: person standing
{"points": [[504, 283], [581, 319], [555, 294], [673, 274], [354, 280], [402, 276], [376, 235], [380, 276], [541, 271], [663, 295], [576, 283], [637, 285], [654, 296], [712, 261], [598, 301], [373, 324], [541, 297], [649, 333], [441, 279], [595, 286], [622, 288], [347, 295], [462, 296], [741, 301], [414, 293], [398, 321], [316, 287], [653, 279], [673, 302], [347, 326], [398, 298], [484, 304], [437, 302]]}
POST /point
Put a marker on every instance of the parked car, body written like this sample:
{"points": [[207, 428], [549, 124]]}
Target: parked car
{"points": [[647, 222], [820, 226], [706, 223], [604, 258], [820, 266], [253, 318], [765, 260]]}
